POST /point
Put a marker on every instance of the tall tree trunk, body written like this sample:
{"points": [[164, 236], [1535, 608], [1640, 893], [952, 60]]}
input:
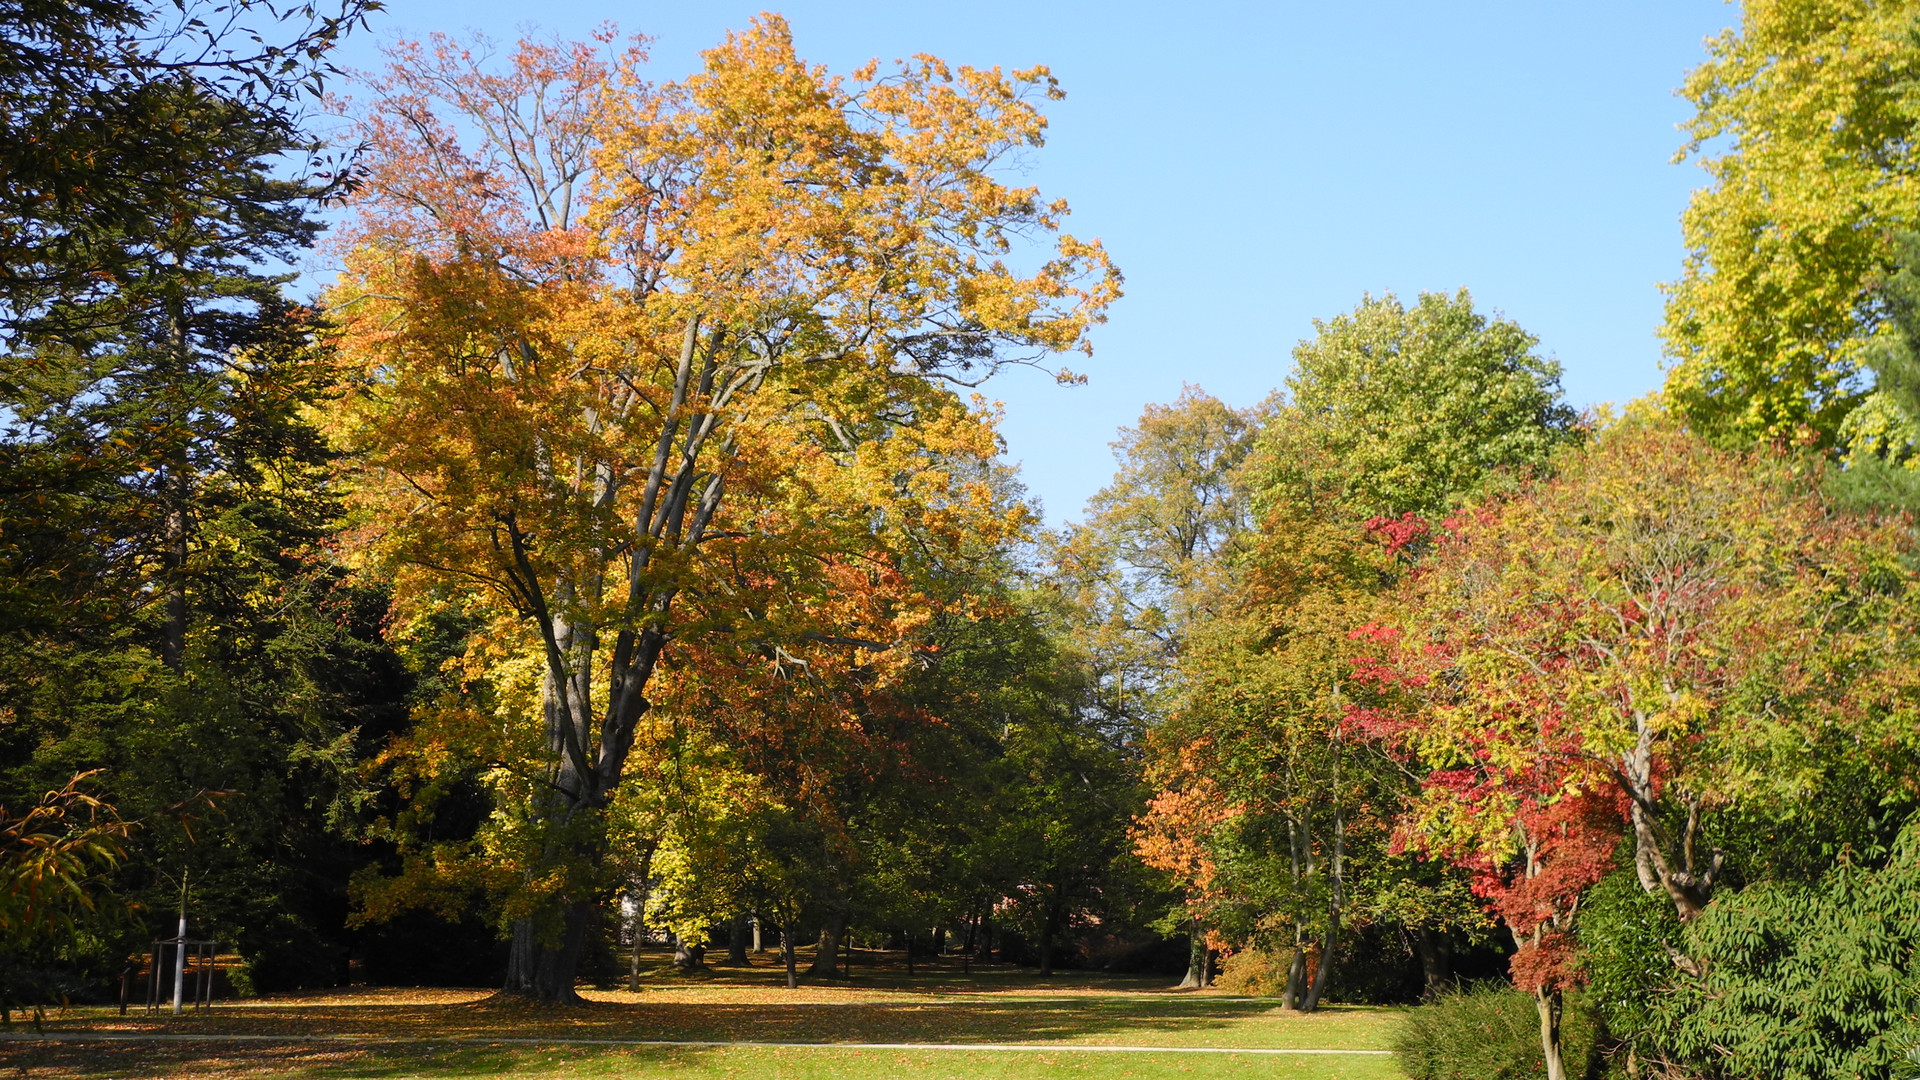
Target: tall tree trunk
{"points": [[1335, 898], [986, 937], [757, 947], [1323, 972], [544, 968], [1296, 991], [1196, 958], [909, 952], [973, 933], [786, 954], [1436, 962], [1548, 1003], [1046, 942], [176, 488], [737, 942], [827, 956]]}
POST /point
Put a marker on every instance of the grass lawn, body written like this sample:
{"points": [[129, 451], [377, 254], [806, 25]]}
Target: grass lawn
{"points": [[371, 1032]]}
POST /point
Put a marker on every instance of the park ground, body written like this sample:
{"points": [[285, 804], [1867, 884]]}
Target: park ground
{"points": [[1048, 1028]]}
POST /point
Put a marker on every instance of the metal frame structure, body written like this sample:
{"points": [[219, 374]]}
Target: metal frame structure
{"points": [[192, 958]]}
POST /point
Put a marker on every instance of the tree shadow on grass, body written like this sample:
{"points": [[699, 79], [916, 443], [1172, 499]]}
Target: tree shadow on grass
{"points": [[389, 1062], [746, 1006]]}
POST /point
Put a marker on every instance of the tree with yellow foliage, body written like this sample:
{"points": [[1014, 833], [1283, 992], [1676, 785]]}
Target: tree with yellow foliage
{"points": [[642, 368], [1805, 121]]}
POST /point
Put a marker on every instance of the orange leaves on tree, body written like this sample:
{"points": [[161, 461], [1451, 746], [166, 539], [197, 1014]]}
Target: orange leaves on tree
{"points": [[663, 375]]}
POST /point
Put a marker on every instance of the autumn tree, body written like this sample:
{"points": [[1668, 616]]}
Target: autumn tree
{"points": [[1392, 412], [1680, 617], [54, 855], [608, 339], [1680, 632], [1804, 124], [1135, 573]]}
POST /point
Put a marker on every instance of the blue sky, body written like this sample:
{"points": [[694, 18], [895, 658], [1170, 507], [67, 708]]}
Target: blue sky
{"points": [[1253, 167]]}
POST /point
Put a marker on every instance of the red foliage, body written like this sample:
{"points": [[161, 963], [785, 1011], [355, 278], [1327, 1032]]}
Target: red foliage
{"points": [[1400, 533], [1567, 845]]}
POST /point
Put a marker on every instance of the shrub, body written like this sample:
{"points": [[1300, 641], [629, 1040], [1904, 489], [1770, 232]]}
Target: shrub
{"points": [[1625, 933], [1804, 982], [1255, 972], [1490, 1032]]}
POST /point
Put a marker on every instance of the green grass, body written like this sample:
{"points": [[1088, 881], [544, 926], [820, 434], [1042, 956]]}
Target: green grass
{"points": [[450, 1033], [139, 1062]]}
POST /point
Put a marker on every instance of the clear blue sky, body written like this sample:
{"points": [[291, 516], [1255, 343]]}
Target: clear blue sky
{"points": [[1253, 166]]}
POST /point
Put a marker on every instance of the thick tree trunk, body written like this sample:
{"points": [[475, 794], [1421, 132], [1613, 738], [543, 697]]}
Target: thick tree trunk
{"points": [[737, 942], [1658, 866], [1196, 958], [544, 969], [826, 958], [986, 938], [1548, 1003], [1296, 990], [1323, 972], [757, 947], [786, 955], [1436, 961], [689, 957]]}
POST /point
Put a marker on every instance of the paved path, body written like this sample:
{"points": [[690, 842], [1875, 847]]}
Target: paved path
{"points": [[481, 1040]]}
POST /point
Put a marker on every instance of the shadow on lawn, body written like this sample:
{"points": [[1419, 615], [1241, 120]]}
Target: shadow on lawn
{"points": [[975, 1019], [731, 1005], [217, 1061]]}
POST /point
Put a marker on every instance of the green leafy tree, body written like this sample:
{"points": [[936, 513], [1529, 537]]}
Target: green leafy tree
{"points": [[1792, 979], [1804, 121], [1411, 410]]}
